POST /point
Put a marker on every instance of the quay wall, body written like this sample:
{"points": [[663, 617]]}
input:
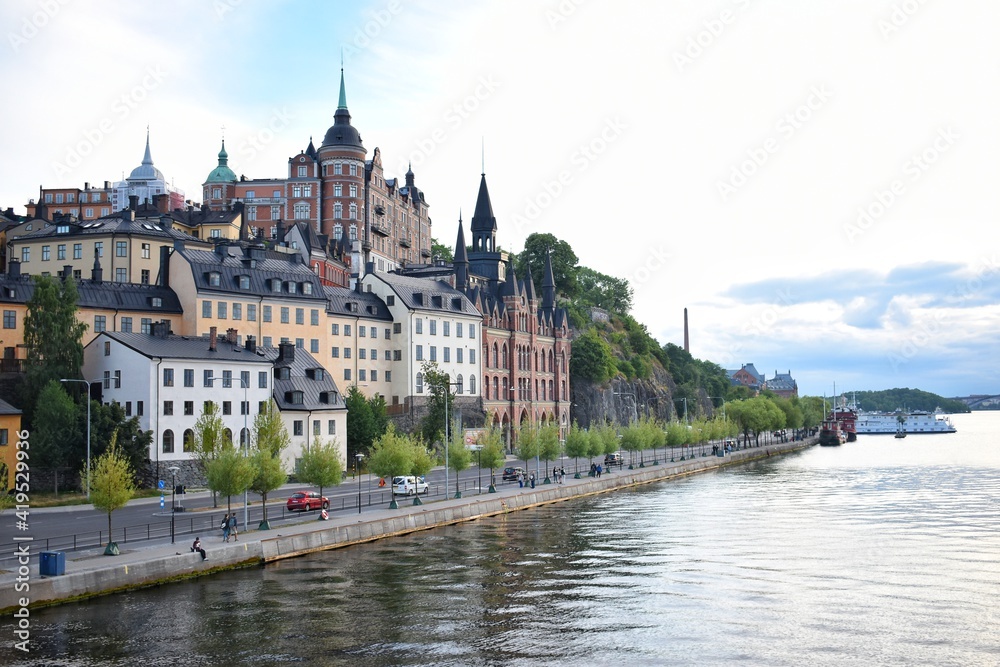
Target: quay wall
{"points": [[100, 575]]}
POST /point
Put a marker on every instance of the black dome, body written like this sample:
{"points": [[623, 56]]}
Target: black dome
{"points": [[342, 133]]}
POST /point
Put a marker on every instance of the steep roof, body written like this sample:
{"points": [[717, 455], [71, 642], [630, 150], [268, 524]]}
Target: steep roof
{"points": [[483, 218], [183, 347], [427, 294], [262, 267], [305, 374], [343, 301], [102, 295]]}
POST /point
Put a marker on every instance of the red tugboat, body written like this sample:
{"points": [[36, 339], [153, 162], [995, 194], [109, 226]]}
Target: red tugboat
{"points": [[846, 418], [830, 434]]}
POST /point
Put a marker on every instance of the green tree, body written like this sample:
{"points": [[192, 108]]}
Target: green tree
{"points": [[549, 447], [632, 440], [320, 465], [595, 446], [56, 429], [209, 439], [604, 291], [108, 419], [270, 438], [459, 457], [527, 444], [564, 262], [229, 473], [53, 337], [492, 453], [391, 454], [362, 431], [421, 463], [592, 359], [577, 444], [439, 382], [112, 485], [441, 251]]}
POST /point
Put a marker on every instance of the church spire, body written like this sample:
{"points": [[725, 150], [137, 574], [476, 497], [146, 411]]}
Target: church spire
{"points": [[548, 284], [461, 261], [342, 102], [484, 224], [147, 158]]}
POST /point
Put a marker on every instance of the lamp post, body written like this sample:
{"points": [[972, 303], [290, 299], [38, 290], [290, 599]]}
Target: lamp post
{"points": [[173, 493], [357, 469], [723, 406], [88, 383]]}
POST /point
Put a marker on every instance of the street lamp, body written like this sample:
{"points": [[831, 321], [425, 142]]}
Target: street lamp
{"points": [[173, 509], [357, 469], [88, 383]]}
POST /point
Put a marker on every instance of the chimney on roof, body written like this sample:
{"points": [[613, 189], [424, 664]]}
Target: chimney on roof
{"points": [[133, 202], [213, 337], [97, 273], [250, 344], [107, 185], [280, 238], [162, 203], [14, 268], [160, 329], [86, 185], [67, 271], [163, 280], [286, 353], [231, 335]]}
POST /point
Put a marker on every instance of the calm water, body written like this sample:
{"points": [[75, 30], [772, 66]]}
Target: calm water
{"points": [[880, 552]]}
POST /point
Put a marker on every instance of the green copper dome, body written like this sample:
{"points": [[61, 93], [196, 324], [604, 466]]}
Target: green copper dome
{"points": [[222, 173]]}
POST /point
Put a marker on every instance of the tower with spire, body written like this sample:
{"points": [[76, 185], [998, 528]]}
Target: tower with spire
{"points": [[145, 182]]}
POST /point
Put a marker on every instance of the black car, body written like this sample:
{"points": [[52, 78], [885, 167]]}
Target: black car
{"points": [[510, 473]]}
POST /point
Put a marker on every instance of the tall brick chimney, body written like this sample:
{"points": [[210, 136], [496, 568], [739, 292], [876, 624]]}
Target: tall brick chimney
{"points": [[213, 337]]}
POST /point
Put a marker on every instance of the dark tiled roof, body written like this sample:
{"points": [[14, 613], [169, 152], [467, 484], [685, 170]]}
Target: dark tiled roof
{"points": [[307, 375], [109, 295], [427, 294], [8, 409], [261, 266], [112, 224], [183, 347], [340, 300]]}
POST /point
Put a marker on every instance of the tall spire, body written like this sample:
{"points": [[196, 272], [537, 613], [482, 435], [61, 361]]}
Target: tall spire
{"points": [[529, 284], [484, 224], [461, 261], [147, 158], [548, 284], [342, 103]]}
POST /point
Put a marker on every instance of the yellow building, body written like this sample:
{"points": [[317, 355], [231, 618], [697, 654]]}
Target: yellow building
{"points": [[10, 424]]}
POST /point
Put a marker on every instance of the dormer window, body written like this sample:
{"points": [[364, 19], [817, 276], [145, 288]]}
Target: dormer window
{"points": [[315, 374], [292, 287], [214, 278], [275, 285], [283, 373], [307, 288], [294, 397], [244, 282], [156, 302], [62, 229]]}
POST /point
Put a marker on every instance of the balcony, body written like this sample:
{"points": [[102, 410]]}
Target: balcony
{"points": [[380, 228], [426, 252], [404, 241], [12, 365]]}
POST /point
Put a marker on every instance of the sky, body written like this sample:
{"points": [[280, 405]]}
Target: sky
{"points": [[814, 181]]}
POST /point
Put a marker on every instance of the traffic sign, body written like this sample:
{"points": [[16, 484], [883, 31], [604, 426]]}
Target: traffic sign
{"points": [[160, 484]]}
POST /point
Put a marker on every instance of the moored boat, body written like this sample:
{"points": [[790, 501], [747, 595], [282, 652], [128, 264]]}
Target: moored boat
{"points": [[917, 421]]}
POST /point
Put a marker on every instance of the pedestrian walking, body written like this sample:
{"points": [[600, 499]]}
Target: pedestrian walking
{"points": [[197, 547], [225, 528], [593, 470], [532, 480], [600, 468], [232, 527], [520, 480]]}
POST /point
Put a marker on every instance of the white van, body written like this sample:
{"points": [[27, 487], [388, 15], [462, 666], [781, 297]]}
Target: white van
{"points": [[409, 485]]}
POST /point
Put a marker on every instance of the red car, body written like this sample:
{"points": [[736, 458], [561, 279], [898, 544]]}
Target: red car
{"points": [[307, 500]]}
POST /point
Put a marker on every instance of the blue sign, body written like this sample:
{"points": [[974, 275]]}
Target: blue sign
{"points": [[161, 502], [160, 484]]}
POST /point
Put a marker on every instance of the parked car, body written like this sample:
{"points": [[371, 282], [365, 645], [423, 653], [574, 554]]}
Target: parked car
{"points": [[613, 460], [409, 485], [306, 500], [510, 473]]}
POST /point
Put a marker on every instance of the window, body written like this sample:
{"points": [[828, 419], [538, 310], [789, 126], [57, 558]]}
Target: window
{"points": [[145, 325], [362, 353], [301, 211], [434, 353], [244, 408], [347, 329], [284, 314], [121, 248], [388, 376], [300, 316], [362, 377], [374, 355], [353, 169], [168, 442], [307, 288], [107, 379], [25, 254], [420, 325], [227, 407], [338, 169], [338, 211], [353, 189], [397, 355], [446, 354], [188, 377], [331, 427], [314, 345], [227, 379], [188, 442], [99, 248], [59, 197], [420, 352], [267, 341], [334, 329], [472, 355], [338, 190], [347, 374], [460, 383], [46, 253], [144, 273], [297, 427], [121, 275], [262, 379], [168, 377], [77, 251], [267, 317], [126, 325], [362, 332], [61, 251], [434, 328], [420, 383], [168, 407], [206, 309], [222, 308], [335, 352], [472, 331], [472, 384], [458, 355], [4, 438], [237, 311], [118, 379], [10, 319], [188, 407], [347, 353], [100, 323], [313, 314], [388, 334], [145, 251], [373, 331], [374, 375], [244, 282], [447, 328], [251, 312], [208, 378], [216, 233]]}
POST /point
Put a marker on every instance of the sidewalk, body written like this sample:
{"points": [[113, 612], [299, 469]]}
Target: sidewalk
{"points": [[89, 573]]}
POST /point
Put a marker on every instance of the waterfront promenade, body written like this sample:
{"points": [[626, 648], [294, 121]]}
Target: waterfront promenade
{"points": [[91, 573]]}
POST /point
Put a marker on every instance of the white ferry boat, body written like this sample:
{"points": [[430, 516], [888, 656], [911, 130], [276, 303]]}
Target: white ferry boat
{"points": [[918, 421]]}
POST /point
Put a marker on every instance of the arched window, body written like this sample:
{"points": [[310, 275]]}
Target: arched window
{"points": [[461, 384], [496, 356], [505, 390], [188, 440], [504, 358], [486, 389], [420, 383], [228, 435], [168, 442], [244, 437], [472, 384], [552, 367], [496, 388], [552, 396]]}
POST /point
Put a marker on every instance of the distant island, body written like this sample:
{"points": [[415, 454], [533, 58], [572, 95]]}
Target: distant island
{"points": [[891, 400]]}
